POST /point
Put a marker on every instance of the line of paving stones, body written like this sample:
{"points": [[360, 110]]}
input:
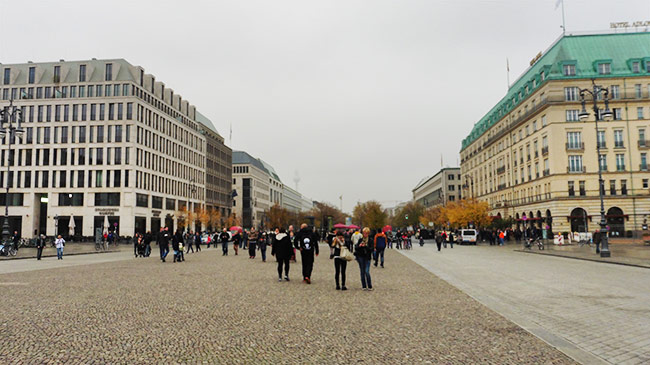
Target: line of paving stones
{"points": [[216, 309]]}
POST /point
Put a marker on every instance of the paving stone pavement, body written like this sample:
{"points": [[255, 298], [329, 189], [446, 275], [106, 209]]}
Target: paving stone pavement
{"points": [[595, 312], [215, 309]]}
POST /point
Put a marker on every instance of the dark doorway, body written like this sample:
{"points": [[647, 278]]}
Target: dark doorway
{"points": [[616, 222], [579, 220]]}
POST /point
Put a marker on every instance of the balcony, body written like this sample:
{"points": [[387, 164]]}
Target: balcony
{"points": [[619, 144], [603, 168], [528, 157], [501, 170], [546, 172], [576, 170], [643, 167], [521, 160], [501, 186], [602, 145], [536, 154], [575, 146], [644, 143], [620, 167], [544, 151]]}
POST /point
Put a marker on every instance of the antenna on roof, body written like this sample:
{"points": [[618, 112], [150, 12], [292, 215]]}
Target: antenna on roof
{"points": [[296, 179], [508, 72]]}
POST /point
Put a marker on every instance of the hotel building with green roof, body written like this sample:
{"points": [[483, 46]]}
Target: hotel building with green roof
{"points": [[532, 159]]}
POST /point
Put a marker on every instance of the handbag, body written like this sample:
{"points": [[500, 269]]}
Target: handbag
{"points": [[346, 254]]}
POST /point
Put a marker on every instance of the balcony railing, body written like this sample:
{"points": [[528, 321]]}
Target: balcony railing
{"points": [[544, 151], [619, 144], [575, 146], [602, 144], [501, 186], [576, 170], [501, 170], [643, 167], [546, 172], [536, 154], [644, 143], [620, 167]]}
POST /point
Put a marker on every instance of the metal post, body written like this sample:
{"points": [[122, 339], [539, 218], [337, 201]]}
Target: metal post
{"points": [[604, 245]]}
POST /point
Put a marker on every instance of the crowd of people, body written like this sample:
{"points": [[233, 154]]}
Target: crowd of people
{"points": [[365, 246]]}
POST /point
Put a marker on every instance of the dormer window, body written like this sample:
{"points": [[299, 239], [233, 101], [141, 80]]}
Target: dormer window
{"points": [[604, 68], [647, 66], [109, 72], [542, 76], [569, 70], [636, 67]]}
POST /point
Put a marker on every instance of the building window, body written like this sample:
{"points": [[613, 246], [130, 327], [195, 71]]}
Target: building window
{"points": [[642, 142], [601, 139], [109, 71], [636, 67], [71, 199], [574, 140], [32, 75], [142, 200], [569, 70], [618, 139], [575, 163], [57, 74], [7, 76], [107, 199], [645, 183], [571, 93], [639, 112], [450, 177], [620, 162], [644, 162], [612, 187], [602, 161], [638, 91], [572, 191], [170, 204], [572, 115], [604, 68], [618, 114], [82, 73], [543, 121], [581, 186], [615, 92]]}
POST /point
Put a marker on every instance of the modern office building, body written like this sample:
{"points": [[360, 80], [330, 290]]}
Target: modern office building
{"points": [[104, 141], [252, 183], [439, 189], [532, 158]]}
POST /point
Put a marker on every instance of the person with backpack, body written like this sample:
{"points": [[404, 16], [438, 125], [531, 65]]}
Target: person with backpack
{"points": [[439, 240], [307, 243], [281, 248], [380, 246]]}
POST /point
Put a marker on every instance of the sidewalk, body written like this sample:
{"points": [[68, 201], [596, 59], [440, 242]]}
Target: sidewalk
{"points": [[623, 253], [72, 248]]}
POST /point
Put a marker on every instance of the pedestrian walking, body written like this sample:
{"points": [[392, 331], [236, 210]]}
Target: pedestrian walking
{"points": [[281, 249], [252, 243], [380, 247], [177, 240], [340, 264], [189, 242], [263, 243], [439, 240], [363, 251], [224, 237], [163, 243], [60, 244], [236, 242], [40, 245], [245, 239], [147, 243], [197, 241], [307, 243]]}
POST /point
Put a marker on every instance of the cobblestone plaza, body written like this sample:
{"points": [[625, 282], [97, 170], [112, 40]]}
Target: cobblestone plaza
{"points": [[112, 308]]}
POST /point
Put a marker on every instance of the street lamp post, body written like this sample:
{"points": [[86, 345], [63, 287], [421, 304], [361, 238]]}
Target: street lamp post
{"points": [[192, 188], [10, 126], [605, 115]]}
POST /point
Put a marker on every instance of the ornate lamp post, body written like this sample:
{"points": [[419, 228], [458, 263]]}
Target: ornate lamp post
{"points": [[10, 126], [606, 115]]}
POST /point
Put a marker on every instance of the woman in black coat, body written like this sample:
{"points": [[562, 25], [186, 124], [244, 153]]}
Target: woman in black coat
{"points": [[282, 250]]}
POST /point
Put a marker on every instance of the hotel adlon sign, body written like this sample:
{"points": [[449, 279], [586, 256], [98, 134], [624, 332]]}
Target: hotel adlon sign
{"points": [[636, 24], [107, 211]]}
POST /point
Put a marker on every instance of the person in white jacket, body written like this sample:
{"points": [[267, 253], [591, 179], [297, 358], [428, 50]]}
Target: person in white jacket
{"points": [[60, 243]]}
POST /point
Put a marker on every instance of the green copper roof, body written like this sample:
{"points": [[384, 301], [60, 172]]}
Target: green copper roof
{"points": [[583, 51]]}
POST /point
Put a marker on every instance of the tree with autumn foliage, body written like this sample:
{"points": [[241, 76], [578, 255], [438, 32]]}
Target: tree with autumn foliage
{"points": [[369, 214], [215, 218], [432, 215], [278, 216], [460, 214], [233, 220]]}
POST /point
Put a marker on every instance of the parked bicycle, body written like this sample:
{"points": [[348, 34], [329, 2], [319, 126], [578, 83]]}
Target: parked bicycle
{"points": [[7, 250], [530, 242], [584, 242]]}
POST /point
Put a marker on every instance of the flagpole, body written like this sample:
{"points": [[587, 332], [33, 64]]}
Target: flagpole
{"points": [[508, 72], [563, 21]]}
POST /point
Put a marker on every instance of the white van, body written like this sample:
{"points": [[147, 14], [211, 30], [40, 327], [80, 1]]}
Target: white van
{"points": [[468, 236]]}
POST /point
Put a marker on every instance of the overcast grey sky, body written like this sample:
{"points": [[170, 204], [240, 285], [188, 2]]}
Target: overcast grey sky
{"points": [[361, 97]]}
